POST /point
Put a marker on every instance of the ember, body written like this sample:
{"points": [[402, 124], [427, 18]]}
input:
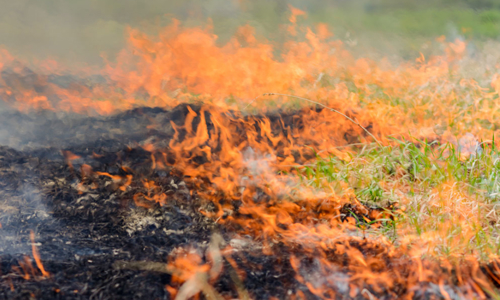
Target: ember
{"points": [[185, 169]]}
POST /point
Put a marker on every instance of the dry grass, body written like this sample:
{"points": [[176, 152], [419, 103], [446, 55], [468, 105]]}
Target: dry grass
{"points": [[449, 205]]}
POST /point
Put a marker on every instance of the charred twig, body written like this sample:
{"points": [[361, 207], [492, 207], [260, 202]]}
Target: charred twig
{"points": [[198, 283], [240, 287], [143, 266]]}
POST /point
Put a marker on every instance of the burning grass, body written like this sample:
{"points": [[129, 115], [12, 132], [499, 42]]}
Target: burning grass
{"points": [[300, 192], [446, 204]]}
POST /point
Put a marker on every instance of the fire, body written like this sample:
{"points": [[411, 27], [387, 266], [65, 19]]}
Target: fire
{"points": [[188, 269], [244, 163], [27, 269], [37, 256]]}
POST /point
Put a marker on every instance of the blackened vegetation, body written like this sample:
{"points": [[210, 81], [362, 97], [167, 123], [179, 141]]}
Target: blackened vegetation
{"points": [[81, 234], [84, 224]]}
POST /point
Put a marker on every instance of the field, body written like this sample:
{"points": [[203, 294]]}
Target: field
{"points": [[354, 143], [82, 31]]}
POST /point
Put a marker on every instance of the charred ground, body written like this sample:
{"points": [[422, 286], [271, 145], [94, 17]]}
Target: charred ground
{"points": [[97, 242], [81, 234]]}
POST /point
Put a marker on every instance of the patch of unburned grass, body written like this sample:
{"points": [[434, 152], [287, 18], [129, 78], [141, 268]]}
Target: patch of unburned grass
{"points": [[448, 196]]}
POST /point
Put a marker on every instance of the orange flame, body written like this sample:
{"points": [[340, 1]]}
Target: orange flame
{"points": [[28, 270], [242, 157], [37, 256]]}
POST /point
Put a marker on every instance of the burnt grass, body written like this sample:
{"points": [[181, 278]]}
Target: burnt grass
{"points": [[82, 233]]}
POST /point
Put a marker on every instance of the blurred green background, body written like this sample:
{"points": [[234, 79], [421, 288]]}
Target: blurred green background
{"points": [[80, 30]]}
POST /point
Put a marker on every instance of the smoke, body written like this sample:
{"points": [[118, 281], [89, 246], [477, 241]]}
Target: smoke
{"points": [[259, 172], [314, 274], [21, 205]]}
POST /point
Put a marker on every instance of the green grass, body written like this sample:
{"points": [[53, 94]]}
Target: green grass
{"points": [[426, 22], [444, 198]]}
